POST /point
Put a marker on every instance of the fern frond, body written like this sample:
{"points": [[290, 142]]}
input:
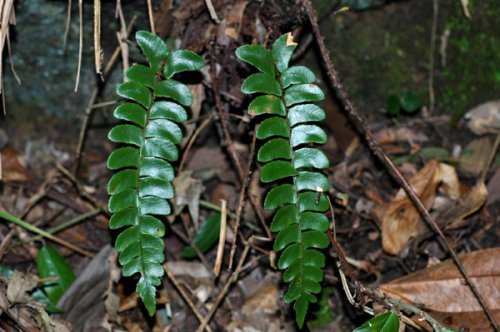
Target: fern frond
{"points": [[140, 189], [288, 133]]}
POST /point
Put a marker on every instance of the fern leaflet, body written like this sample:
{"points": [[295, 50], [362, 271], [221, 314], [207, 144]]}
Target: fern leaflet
{"points": [[142, 185], [288, 132]]}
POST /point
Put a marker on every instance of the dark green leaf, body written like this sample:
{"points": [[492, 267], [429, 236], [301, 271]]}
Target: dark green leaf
{"points": [[301, 93], [156, 187], [309, 157], [152, 226], [291, 254], [160, 148], [156, 168], [142, 74], [410, 102], [275, 170], [174, 90], [386, 322], [312, 181], [282, 52], [123, 200], [168, 110], [154, 205], [393, 105], [126, 217], [257, 56], [311, 201], [314, 221], [283, 194], [261, 82], [51, 264], [301, 305], [131, 112], [205, 238], [123, 157], [153, 48], [128, 134], [267, 104], [163, 128], [297, 75], [135, 91], [291, 234], [122, 180], [275, 126], [314, 258], [303, 134], [315, 239], [305, 113], [146, 288], [277, 148], [285, 216], [182, 60]]}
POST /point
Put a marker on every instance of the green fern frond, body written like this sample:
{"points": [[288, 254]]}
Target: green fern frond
{"points": [[140, 189], [288, 132]]}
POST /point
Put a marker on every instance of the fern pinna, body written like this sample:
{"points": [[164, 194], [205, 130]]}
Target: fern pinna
{"points": [[142, 185], [289, 131]]}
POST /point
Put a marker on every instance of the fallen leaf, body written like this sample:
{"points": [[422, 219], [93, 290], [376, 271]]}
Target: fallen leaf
{"points": [[475, 156], [400, 219], [12, 166], [187, 192], [19, 285], [400, 135], [494, 188], [484, 118], [445, 294]]}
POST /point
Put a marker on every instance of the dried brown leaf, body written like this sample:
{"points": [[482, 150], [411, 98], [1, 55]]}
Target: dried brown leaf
{"points": [[19, 285], [12, 166], [475, 156], [443, 292], [484, 118]]}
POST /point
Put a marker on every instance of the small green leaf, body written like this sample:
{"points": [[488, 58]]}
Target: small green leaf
{"points": [[258, 56], [51, 264], [127, 134], [277, 148], [163, 128], [136, 92], [153, 48], [123, 157], [275, 170], [386, 322], [410, 102], [168, 110], [147, 291], [434, 152], [282, 52], [314, 221], [205, 238], [142, 74], [301, 305], [156, 168], [315, 239], [125, 217], [311, 201], [261, 82], [131, 112], [122, 180], [155, 187], [303, 134], [123, 200], [267, 104], [275, 126], [310, 157], [312, 181], [290, 255], [289, 235], [175, 90], [280, 195], [285, 216], [297, 75], [305, 113], [160, 148], [154, 205], [301, 93], [393, 105], [182, 60]]}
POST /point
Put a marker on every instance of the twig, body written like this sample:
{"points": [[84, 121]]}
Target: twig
{"points": [[151, 17], [216, 208], [97, 37], [211, 10], [34, 229], [225, 289], [359, 124], [66, 29], [80, 44], [241, 202], [435, 8], [185, 296], [222, 237]]}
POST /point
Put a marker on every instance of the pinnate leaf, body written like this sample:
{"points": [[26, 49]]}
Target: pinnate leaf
{"points": [[261, 82], [174, 90], [267, 104], [386, 322], [282, 51], [136, 92], [257, 56], [301, 93], [153, 48], [182, 60]]}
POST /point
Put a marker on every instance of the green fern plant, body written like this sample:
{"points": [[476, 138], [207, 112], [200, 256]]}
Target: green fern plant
{"points": [[140, 189], [285, 99]]}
